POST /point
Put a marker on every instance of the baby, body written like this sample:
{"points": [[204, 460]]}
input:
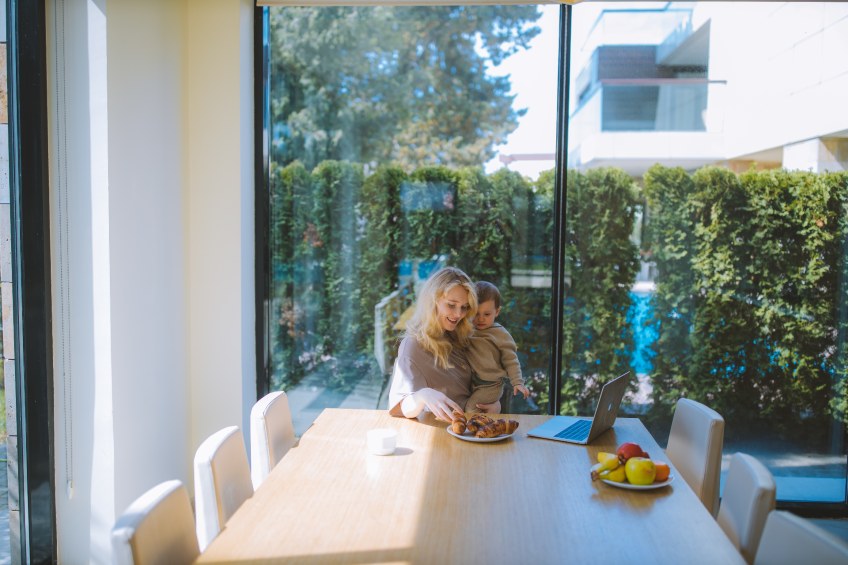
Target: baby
{"points": [[492, 352]]}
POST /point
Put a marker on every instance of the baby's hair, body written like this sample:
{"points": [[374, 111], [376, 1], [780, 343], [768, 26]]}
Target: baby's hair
{"points": [[487, 291]]}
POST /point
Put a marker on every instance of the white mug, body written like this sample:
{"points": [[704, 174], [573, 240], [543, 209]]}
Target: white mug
{"points": [[382, 441]]}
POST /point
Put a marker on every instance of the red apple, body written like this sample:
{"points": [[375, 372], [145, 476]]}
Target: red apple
{"points": [[627, 450]]}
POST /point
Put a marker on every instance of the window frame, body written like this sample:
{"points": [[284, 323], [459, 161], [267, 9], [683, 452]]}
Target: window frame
{"points": [[262, 122], [30, 225], [262, 135]]}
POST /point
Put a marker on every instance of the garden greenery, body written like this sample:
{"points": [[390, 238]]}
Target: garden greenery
{"points": [[751, 296], [749, 306]]}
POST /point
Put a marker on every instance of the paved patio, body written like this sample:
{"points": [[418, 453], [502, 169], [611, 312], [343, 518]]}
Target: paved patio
{"points": [[310, 397]]}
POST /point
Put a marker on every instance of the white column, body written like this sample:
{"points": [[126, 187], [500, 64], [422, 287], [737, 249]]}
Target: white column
{"points": [[151, 120], [817, 155], [220, 194], [81, 283]]}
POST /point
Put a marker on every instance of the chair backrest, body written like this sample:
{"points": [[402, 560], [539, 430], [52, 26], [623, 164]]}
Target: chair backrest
{"points": [[271, 434], [221, 481], [789, 539], [157, 528], [694, 447], [749, 497]]}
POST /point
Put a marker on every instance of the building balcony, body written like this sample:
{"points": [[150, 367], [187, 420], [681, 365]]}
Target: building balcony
{"points": [[634, 123]]}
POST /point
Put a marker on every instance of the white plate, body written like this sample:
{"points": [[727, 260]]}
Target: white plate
{"points": [[467, 437], [628, 486]]}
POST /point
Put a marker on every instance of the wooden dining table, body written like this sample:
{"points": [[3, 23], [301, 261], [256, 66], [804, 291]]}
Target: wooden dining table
{"points": [[440, 499]]}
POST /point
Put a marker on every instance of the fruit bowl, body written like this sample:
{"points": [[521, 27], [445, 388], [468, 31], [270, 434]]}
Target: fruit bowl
{"points": [[630, 467], [651, 486]]}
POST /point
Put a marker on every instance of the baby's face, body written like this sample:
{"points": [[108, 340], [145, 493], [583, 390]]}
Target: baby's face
{"points": [[486, 315]]}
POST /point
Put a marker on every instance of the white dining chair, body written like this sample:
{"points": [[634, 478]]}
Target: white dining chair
{"points": [[748, 498], [157, 528], [271, 434], [789, 539], [694, 447], [221, 481]]}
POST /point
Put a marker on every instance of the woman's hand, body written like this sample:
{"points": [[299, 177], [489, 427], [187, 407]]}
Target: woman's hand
{"points": [[493, 408], [435, 401]]}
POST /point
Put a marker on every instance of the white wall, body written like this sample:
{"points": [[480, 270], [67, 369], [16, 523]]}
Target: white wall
{"points": [[152, 236], [221, 241], [147, 202], [84, 428], [778, 93]]}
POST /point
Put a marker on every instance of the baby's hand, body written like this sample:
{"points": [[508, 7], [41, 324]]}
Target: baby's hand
{"points": [[522, 389]]}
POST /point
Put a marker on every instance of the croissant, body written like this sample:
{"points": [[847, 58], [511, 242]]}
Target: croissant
{"points": [[497, 428], [458, 425], [477, 421]]}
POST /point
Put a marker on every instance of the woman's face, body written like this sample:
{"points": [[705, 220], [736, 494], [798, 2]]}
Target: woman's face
{"points": [[452, 308]]}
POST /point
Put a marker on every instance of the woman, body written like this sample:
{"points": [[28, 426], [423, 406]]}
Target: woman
{"points": [[431, 371]]}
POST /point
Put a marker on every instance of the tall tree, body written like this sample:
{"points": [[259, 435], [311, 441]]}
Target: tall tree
{"points": [[411, 85]]}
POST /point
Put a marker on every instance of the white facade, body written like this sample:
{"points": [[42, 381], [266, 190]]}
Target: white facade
{"points": [[775, 87]]}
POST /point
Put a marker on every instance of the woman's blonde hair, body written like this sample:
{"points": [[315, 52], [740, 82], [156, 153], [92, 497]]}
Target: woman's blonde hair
{"points": [[424, 324]]}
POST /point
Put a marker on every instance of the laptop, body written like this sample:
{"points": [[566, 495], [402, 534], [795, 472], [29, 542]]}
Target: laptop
{"points": [[583, 430]]}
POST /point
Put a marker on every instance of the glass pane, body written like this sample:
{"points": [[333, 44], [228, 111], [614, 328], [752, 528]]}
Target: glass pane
{"points": [[405, 139], [5, 516], [707, 222]]}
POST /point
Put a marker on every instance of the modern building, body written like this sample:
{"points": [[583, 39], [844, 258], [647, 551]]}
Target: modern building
{"points": [[690, 84]]}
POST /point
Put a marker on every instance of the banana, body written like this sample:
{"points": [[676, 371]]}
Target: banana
{"points": [[604, 456], [606, 462], [616, 475]]}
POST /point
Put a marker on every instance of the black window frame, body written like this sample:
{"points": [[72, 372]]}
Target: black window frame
{"points": [[262, 193], [262, 199], [30, 221]]}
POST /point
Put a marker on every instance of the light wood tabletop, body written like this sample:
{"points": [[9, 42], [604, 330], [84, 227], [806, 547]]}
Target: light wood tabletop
{"points": [[439, 499]]}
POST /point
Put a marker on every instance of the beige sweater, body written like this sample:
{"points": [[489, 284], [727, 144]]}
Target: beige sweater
{"points": [[492, 354], [416, 368]]}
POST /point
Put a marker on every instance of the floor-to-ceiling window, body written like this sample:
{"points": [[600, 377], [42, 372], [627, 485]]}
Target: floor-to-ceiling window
{"points": [[724, 123], [704, 222], [389, 132]]}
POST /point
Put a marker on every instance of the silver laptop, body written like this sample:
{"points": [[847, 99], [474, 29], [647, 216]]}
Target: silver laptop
{"points": [[583, 430]]}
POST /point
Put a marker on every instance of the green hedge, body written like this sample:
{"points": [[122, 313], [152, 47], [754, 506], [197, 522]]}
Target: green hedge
{"points": [[382, 246], [600, 266], [750, 302], [751, 294]]}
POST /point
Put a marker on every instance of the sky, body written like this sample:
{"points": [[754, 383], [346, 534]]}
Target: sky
{"points": [[534, 82]]}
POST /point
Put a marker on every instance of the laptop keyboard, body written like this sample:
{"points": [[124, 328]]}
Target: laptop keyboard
{"points": [[576, 431]]}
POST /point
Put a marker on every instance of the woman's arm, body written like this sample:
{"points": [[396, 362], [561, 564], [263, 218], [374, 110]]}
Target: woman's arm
{"points": [[437, 402], [410, 394], [413, 378]]}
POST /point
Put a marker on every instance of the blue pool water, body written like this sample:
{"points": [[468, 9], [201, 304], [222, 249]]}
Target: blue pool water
{"points": [[644, 335]]}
